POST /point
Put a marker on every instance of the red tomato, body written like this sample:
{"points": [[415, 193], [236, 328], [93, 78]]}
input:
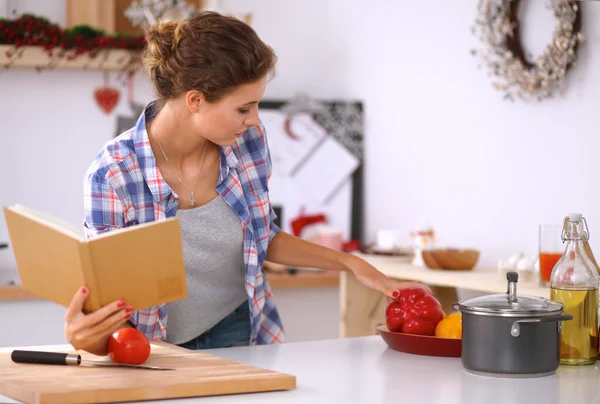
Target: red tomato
{"points": [[129, 346]]}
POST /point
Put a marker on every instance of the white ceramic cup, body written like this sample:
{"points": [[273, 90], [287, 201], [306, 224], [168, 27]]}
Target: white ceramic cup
{"points": [[387, 239]]}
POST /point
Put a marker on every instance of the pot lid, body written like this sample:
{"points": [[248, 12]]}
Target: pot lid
{"points": [[524, 305], [510, 303]]}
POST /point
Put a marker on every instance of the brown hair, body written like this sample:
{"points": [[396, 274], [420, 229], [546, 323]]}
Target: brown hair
{"points": [[210, 53]]}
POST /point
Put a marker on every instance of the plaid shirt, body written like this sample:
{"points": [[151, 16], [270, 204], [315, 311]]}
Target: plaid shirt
{"points": [[123, 187]]}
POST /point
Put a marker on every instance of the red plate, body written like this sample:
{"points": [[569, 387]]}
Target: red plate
{"points": [[421, 344]]}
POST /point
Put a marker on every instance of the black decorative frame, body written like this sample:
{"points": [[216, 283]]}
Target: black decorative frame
{"points": [[357, 210]]}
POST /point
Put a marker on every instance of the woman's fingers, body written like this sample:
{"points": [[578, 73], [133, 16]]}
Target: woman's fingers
{"points": [[393, 288], [103, 313], [404, 285], [99, 316], [391, 291], [106, 327], [76, 306]]}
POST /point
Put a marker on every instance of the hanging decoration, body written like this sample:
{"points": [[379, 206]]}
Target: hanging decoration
{"points": [[143, 13], [106, 97], [342, 120], [498, 27], [301, 103]]}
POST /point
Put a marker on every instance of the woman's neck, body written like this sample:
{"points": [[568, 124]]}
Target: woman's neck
{"points": [[169, 137]]}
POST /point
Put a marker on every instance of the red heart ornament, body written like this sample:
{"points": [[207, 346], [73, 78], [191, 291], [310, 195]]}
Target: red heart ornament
{"points": [[107, 98]]}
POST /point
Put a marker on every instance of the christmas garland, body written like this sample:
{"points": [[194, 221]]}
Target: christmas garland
{"points": [[29, 30], [497, 26]]}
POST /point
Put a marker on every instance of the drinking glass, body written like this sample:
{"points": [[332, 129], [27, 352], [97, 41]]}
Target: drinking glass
{"points": [[550, 250]]}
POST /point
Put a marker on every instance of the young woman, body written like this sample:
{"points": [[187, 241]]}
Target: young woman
{"points": [[199, 152]]}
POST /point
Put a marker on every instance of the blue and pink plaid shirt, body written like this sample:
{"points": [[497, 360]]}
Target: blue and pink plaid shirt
{"points": [[123, 187]]}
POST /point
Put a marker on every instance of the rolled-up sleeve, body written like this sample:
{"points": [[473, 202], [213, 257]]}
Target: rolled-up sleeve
{"points": [[273, 228], [103, 208]]}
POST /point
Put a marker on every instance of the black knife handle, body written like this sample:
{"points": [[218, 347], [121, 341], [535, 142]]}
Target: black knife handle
{"points": [[44, 358]]}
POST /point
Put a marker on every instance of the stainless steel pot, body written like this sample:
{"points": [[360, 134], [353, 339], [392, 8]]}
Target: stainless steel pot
{"points": [[509, 335]]}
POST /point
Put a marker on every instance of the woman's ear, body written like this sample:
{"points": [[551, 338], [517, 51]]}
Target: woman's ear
{"points": [[194, 100]]}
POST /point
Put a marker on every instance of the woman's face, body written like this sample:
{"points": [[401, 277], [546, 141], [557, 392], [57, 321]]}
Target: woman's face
{"points": [[227, 119]]}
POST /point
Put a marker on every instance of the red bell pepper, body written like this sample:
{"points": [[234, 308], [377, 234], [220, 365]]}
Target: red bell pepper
{"points": [[414, 312]]}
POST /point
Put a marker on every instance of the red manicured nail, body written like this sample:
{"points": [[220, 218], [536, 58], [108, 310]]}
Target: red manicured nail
{"points": [[84, 290], [128, 309], [120, 303], [127, 317], [396, 294]]}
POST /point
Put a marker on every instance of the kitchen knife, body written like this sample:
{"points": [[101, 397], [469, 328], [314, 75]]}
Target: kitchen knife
{"points": [[57, 358]]}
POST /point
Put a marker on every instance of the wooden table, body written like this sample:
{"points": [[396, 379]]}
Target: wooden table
{"points": [[363, 309]]}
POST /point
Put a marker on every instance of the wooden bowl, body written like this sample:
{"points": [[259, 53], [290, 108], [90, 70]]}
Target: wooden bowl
{"points": [[450, 259], [421, 344]]}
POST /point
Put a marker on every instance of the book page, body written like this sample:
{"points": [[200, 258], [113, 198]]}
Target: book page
{"points": [[48, 257], [48, 220], [142, 264]]}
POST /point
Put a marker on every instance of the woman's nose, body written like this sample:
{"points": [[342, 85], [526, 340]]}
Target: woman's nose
{"points": [[252, 119]]}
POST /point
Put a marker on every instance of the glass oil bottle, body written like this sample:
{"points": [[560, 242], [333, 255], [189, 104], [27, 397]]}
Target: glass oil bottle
{"points": [[574, 283]]}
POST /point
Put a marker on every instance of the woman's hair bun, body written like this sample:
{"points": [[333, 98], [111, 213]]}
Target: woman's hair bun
{"points": [[162, 40], [209, 53]]}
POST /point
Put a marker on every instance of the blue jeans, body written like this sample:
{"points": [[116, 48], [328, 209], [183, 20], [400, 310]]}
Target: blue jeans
{"points": [[233, 330]]}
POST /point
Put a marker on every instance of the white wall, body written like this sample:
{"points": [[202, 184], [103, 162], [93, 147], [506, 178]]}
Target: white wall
{"points": [[442, 146], [426, 104]]}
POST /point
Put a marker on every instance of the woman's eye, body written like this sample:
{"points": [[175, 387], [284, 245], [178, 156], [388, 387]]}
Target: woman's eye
{"points": [[244, 111]]}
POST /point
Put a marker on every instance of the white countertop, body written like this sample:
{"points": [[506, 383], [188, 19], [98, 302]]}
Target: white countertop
{"points": [[364, 370]]}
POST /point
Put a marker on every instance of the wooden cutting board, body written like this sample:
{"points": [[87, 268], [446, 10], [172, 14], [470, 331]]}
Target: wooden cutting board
{"points": [[197, 374]]}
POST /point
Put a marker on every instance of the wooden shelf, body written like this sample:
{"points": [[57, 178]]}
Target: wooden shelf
{"points": [[36, 57], [304, 279]]}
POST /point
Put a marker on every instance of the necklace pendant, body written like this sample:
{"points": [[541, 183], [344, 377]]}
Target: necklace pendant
{"points": [[192, 200]]}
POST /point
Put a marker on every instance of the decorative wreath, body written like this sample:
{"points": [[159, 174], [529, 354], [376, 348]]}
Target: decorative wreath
{"points": [[497, 26]]}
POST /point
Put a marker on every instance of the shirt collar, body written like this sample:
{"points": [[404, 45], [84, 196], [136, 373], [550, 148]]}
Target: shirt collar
{"points": [[230, 157], [147, 161], [156, 183]]}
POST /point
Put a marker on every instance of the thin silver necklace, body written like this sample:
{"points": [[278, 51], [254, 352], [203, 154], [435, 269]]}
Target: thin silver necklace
{"points": [[192, 199]]}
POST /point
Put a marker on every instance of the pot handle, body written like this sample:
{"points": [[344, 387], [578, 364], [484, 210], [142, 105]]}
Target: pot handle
{"points": [[563, 317], [515, 330], [455, 306]]}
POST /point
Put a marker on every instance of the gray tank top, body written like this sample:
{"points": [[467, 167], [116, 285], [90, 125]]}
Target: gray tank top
{"points": [[214, 262]]}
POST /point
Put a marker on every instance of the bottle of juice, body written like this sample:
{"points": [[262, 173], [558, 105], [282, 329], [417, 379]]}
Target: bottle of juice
{"points": [[574, 283]]}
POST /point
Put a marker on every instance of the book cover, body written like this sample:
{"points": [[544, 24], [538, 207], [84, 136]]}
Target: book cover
{"points": [[141, 264]]}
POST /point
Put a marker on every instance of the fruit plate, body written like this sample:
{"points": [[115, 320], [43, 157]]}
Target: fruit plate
{"points": [[421, 344]]}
